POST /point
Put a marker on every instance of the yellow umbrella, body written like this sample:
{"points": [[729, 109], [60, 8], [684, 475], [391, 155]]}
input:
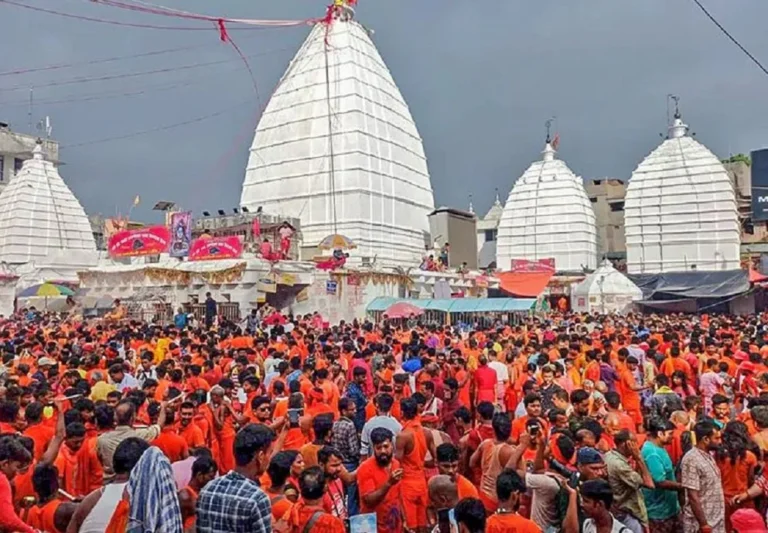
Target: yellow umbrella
{"points": [[337, 242]]}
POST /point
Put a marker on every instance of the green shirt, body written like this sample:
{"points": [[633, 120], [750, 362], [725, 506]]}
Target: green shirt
{"points": [[624, 482], [661, 504]]}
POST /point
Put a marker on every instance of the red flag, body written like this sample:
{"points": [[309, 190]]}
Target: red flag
{"points": [[256, 227], [556, 141]]}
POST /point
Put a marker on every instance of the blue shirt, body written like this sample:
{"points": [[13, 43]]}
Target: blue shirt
{"points": [[356, 394], [180, 320], [412, 365], [661, 504]]}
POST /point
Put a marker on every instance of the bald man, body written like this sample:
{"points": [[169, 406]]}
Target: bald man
{"points": [[443, 495], [125, 417], [611, 426]]}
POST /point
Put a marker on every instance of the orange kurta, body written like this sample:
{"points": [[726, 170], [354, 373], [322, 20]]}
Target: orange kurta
{"points": [[42, 518], [42, 435], [414, 482]]}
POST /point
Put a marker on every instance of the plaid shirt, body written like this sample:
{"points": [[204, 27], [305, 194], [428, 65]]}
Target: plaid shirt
{"points": [[344, 438], [233, 504]]}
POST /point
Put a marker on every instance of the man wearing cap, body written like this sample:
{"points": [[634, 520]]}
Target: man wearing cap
{"points": [[590, 464]]}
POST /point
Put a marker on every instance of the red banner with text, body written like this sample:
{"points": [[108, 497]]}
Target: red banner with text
{"points": [[205, 248], [525, 265], [152, 240]]}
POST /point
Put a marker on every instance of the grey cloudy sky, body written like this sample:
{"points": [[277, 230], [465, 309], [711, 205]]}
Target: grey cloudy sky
{"points": [[480, 78]]}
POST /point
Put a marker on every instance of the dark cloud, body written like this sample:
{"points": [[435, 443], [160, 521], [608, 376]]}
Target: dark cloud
{"points": [[480, 78]]}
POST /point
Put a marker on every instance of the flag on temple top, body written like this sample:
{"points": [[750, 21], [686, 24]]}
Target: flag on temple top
{"points": [[136, 201], [556, 141]]}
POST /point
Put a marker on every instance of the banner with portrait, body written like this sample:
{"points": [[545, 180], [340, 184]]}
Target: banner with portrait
{"points": [[181, 234]]}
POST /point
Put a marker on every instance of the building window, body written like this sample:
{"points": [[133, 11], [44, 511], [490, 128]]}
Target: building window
{"points": [[490, 235], [17, 164], [617, 206], [2, 165], [593, 199]]}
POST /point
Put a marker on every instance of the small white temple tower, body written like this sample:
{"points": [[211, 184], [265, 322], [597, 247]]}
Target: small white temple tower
{"points": [[680, 209], [548, 214]]}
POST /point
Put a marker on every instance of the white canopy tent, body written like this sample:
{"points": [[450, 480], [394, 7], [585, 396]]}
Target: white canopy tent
{"points": [[606, 290]]}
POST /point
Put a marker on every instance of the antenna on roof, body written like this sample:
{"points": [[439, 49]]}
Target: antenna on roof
{"points": [[31, 106]]}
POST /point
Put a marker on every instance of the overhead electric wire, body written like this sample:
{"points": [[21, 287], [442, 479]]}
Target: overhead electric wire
{"points": [[157, 129], [104, 21], [101, 95], [124, 75], [99, 61], [731, 37]]}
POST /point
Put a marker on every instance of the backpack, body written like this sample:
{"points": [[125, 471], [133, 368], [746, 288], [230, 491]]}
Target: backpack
{"points": [[560, 502]]}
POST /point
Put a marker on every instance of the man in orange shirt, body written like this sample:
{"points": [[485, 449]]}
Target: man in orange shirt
{"points": [[203, 471], [41, 433], [170, 443], [308, 514], [630, 398], [509, 488], [188, 430], [66, 461], [50, 514], [378, 479], [448, 465], [411, 448], [532, 403]]}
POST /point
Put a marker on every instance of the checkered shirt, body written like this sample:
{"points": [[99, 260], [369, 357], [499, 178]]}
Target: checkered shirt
{"points": [[233, 504]]}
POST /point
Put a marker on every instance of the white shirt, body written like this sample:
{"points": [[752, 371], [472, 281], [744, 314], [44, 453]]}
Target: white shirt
{"points": [[502, 377], [433, 407], [618, 527], [99, 517]]}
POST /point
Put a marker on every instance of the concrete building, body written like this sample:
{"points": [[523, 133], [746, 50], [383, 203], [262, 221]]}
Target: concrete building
{"points": [[457, 228], [15, 148], [607, 198]]}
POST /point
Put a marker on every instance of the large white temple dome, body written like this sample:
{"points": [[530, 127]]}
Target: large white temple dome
{"points": [[680, 209], [548, 215], [337, 148], [41, 220]]}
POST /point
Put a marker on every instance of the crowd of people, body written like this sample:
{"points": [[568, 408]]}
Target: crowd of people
{"points": [[568, 422]]}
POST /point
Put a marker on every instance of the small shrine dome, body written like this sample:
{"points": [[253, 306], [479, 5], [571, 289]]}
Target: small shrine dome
{"points": [[40, 217]]}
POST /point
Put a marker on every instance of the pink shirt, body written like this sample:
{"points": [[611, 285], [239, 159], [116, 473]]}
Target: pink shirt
{"points": [[710, 383]]}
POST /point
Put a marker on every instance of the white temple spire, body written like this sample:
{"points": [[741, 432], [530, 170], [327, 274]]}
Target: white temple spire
{"points": [[40, 218], [372, 183], [548, 154], [37, 151], [680, 209], [498, 200], [548, 215]]}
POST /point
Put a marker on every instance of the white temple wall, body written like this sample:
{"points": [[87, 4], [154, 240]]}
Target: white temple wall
{"points": [[347, 303]]}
